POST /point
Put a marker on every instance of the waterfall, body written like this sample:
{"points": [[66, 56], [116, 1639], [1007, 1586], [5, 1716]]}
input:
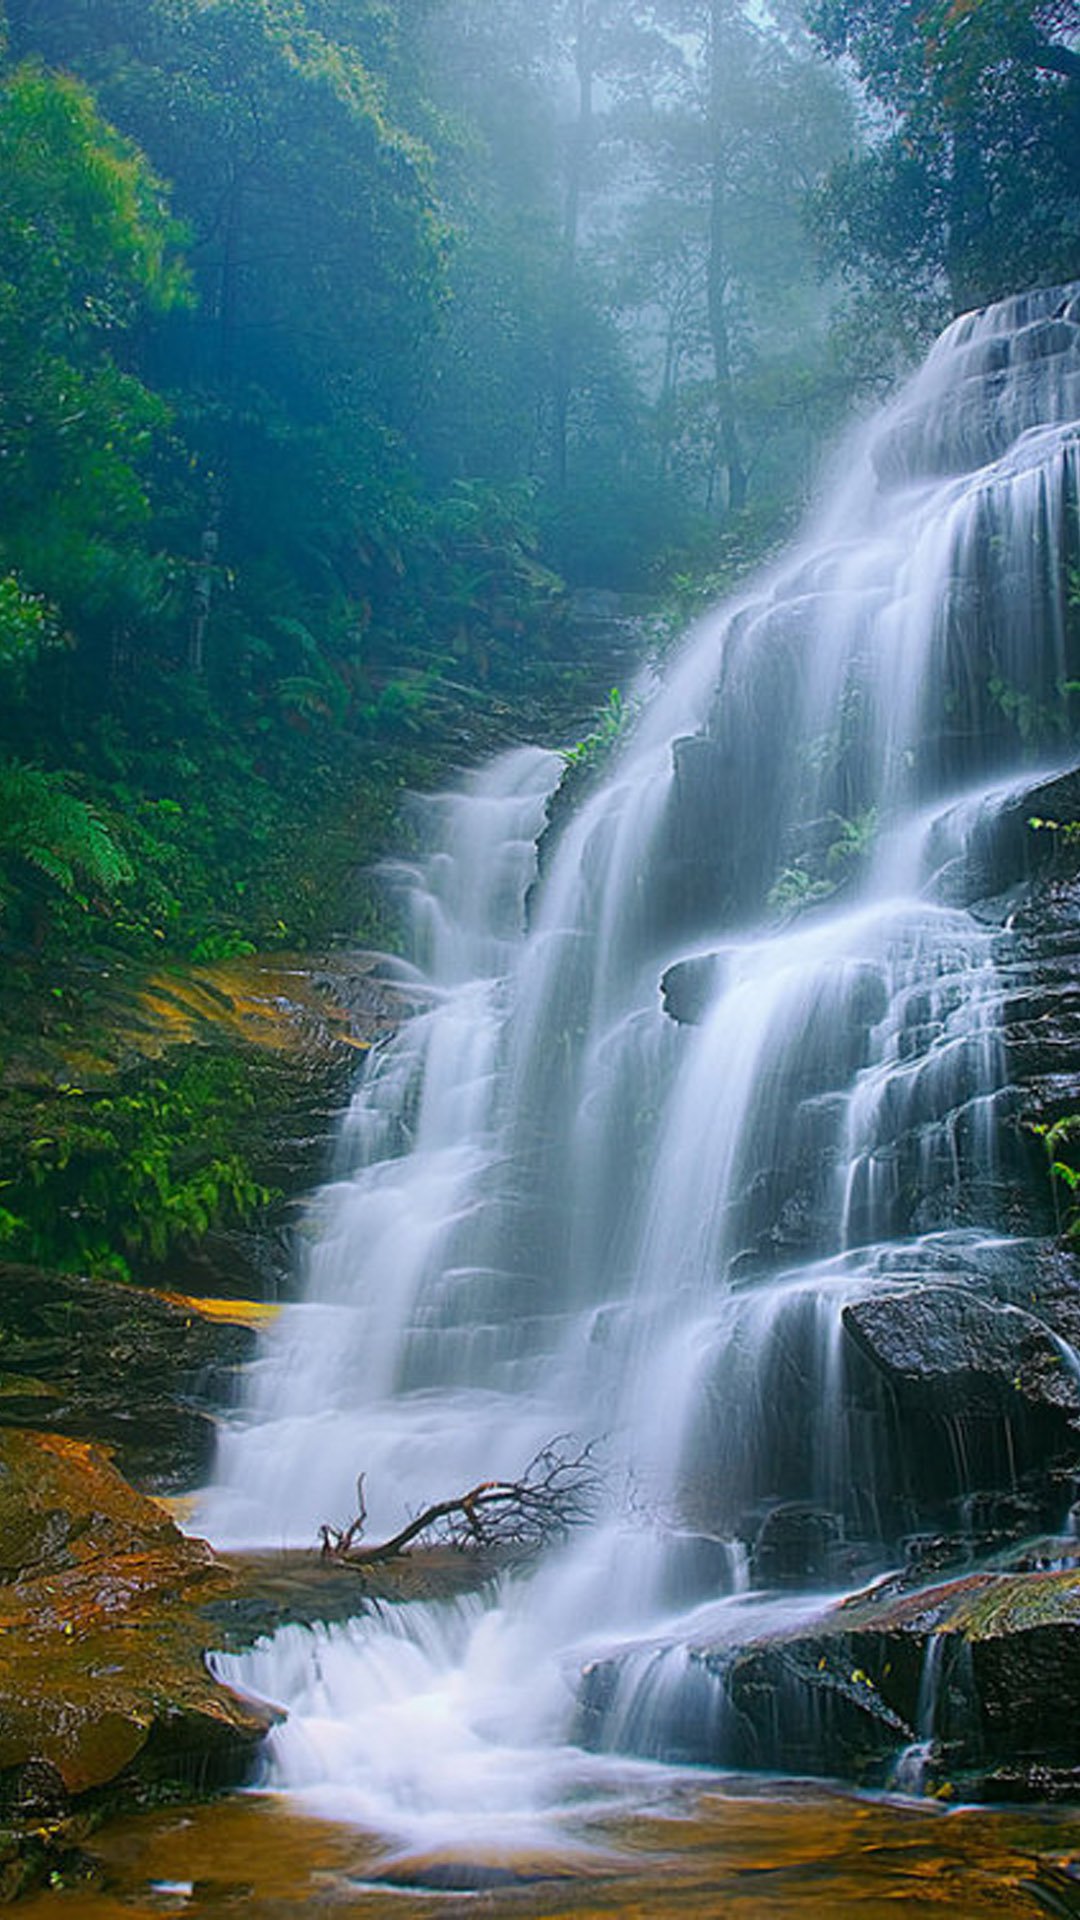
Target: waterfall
{"points": [[730, 1063]]}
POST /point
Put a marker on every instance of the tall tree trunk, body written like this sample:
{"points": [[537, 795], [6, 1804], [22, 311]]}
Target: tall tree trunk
{"points": [[580, 143], [729, 442], [666, 405]]}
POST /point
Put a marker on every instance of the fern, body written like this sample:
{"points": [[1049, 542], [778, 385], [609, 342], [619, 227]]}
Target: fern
{"points": [[45, 827], [596, 746]]}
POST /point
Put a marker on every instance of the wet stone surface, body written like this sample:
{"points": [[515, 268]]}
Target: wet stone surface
{"points": [[94, 1359], [105, 1698]]}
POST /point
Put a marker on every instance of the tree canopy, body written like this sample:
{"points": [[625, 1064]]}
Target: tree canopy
{"points": [[971, 185]]}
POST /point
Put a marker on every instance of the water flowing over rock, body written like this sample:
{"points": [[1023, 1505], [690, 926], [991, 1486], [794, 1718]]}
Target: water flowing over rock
{"points": [[726, 1156]]}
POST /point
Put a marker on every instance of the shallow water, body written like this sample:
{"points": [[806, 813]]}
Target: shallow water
{"points": [[761, 1850]]}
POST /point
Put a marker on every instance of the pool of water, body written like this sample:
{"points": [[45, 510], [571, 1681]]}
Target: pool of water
{"points": [[752, 1850]]}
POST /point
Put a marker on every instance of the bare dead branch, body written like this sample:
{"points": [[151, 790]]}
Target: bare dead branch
{"points": [[558, 1490], [336, 1543]]}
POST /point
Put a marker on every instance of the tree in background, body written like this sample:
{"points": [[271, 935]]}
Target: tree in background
{"points": [[727, 136]]}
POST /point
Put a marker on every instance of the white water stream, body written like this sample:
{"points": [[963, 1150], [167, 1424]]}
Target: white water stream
{"points": [[560, 1210]]}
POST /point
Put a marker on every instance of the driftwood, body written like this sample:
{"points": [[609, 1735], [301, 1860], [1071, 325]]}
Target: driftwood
{"points": [[557, 1491]]}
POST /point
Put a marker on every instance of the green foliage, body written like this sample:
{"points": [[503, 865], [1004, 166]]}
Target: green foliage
{"points": [[85, 251], [45, 828], [476, 591], [597, 745], [714, 565], [1038, 721], [796, 889], [854, 840], [586, 759], [27, 624], [1063, 838], [808, 882], [84, 235], [207, 819], [1061, 1141], [1069, 830], [115, 1178]]}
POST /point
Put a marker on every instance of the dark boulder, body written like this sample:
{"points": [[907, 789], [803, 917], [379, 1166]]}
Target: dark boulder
{"points": [[796, 1546], [689, 986], [946, 1350]]}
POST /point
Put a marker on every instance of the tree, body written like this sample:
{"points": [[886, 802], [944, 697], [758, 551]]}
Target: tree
{"points": [[87, 249], [738, 120], [970, 186], [315, 252], [530, 377]]}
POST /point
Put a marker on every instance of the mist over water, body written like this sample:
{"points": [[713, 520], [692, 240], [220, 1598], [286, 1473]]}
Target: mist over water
{"points": [[732, 1061]]}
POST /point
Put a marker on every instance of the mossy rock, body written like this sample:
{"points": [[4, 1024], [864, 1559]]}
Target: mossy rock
{"points": [[160, 1126]]}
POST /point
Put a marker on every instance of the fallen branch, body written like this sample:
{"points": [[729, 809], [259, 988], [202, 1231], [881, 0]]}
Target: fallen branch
{"points": [[558, 1490]]}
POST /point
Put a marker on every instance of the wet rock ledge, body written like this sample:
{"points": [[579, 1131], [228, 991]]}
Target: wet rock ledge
{"points": [[967, 1689], [970, 1687], [141, 1371], [106, 1614]]}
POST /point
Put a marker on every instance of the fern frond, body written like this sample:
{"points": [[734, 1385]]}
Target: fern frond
{"points": [[46, 827]]}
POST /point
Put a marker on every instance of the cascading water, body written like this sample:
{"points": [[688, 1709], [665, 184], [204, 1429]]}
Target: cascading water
{"points": [[623, 1175]]}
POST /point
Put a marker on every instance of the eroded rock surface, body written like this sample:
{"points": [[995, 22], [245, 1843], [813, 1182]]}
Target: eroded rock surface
{"points": [[985, 1670], [945, 1349]]}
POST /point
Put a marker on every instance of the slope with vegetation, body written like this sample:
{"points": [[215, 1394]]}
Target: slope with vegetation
{"points": [[341, 342], [329, 373]]}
